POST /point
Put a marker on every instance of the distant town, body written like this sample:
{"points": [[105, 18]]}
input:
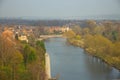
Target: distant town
{"points": [[23, 28], [23, 31]]}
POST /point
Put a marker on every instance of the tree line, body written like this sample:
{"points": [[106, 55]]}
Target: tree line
{"points": [[102, 41]]}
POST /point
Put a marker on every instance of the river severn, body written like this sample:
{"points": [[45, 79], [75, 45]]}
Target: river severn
{"points": [[72, 63]]}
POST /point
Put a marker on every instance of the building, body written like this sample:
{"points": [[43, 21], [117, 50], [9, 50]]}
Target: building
{"points": [[23, 38]]}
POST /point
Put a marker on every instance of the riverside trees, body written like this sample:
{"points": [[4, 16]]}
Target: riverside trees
{"points": [[20, 61], [100, 40]]}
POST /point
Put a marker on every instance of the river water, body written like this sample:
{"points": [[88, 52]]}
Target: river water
{"points": [[72, 63]]}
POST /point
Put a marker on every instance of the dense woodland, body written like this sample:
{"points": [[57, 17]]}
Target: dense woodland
{"points": [[21, 60], [99, 40]]}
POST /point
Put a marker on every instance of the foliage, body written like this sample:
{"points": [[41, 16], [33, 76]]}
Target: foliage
{"points": [[77, 29], [102, 41], [69, 34], [16, 36], [29, 54], [40, 44], [21, 61], [78, 37]]}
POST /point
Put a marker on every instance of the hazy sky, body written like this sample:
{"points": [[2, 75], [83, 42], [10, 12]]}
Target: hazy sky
{"points": [[59, 9]]}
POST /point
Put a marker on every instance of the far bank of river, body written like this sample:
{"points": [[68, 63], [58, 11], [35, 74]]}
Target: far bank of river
{"points": [[80, 43], [71, 63]]}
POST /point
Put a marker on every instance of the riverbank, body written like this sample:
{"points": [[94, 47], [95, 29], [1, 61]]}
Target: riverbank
{"points": [[47, 67], [44, 37], [111, 61]]}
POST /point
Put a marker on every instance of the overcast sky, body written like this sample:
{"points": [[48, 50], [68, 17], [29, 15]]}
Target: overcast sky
{"points": [[59, 9]]}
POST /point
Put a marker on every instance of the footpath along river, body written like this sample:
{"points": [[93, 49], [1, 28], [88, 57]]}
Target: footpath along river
{"points": [[72, 63]]}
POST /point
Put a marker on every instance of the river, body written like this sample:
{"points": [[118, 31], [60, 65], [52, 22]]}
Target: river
{"points": [[72, 63]]}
